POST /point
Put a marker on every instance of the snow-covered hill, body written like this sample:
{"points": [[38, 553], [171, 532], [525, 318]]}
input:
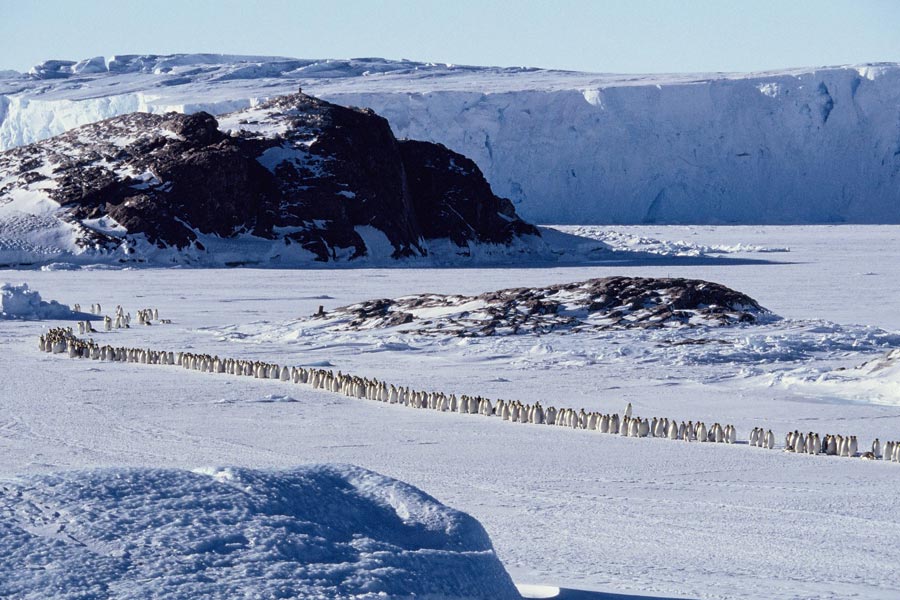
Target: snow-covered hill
{"points": [[804, 145], [311, 532], [288, 182]]}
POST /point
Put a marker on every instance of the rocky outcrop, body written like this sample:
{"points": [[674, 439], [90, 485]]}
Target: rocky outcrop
{"points": [[607, 303], [295, 170]]}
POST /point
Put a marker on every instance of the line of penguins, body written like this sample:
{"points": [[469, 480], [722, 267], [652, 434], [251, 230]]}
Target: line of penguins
{"points": [[834, 445], [63, 340], [122, 319]]}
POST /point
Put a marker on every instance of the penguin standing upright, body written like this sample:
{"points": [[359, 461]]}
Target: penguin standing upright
{"points": [[672, 434], [628, 411], [702, 433]]}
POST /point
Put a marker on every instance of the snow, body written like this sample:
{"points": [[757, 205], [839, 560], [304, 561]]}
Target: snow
{"points": [[806, 145], [564, 509], [317, 531], [21, 302]]}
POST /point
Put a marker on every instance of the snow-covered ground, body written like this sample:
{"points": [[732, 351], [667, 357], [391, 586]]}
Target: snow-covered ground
{"points": [[573, 509], [320, 531], [802, 145]]}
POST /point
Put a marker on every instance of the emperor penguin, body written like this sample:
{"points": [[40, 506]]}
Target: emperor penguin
{"points": [[845, 447], [644, 428], [672, 434], [730, 434], [702, 433], [770, 440], [852, 446], [719, 435], [814, 445], [876, 448], [628, 411], [753, 436]]}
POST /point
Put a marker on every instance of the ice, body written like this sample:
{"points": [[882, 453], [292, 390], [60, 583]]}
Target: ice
{"points": [[806, 145], [324, 531], [21, 302]]}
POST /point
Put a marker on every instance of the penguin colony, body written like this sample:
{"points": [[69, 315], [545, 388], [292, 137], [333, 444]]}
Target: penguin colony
{"points": [[63, 340], [122, 320]]}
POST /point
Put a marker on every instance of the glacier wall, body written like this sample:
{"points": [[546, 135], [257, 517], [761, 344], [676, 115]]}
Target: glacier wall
{"points": [[800, 146], [819, 148]]}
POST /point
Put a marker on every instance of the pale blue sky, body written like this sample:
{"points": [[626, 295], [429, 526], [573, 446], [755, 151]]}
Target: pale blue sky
{"points": [[637, 36]]}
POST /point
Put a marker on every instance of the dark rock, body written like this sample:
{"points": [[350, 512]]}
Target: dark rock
{"points": [[608, 303], [294, 168]]}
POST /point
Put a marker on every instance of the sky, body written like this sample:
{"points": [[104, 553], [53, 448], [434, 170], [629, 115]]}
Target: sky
{"points": [[636, 36]]}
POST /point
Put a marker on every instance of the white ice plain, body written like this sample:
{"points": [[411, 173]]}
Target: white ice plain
{"points": [[569, 509]]}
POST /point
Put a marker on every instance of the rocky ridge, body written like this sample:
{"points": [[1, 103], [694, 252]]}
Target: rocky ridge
{"points": [[306, 178], [606, 303]]}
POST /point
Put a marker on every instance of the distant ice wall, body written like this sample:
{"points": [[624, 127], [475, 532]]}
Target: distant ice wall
{"points": [[820, 148], [800, 146]]}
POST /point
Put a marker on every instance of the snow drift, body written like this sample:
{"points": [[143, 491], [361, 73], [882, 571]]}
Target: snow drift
{"points": [[876, 381], [320, 531], [21, 302], [816, 145]]}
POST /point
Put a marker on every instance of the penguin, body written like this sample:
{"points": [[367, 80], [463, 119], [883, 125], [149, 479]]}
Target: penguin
{"points": [[604, 424], [876, 448], [628, 411], [702, 433], [718, 434], [643, 428]]}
